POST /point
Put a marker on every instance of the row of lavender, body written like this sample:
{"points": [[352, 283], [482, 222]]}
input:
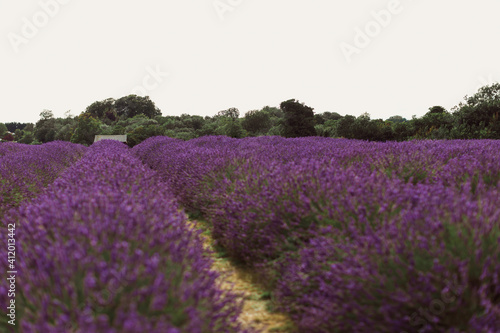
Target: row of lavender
{"points": [[26, 170], [105, 248], [353, 236]]}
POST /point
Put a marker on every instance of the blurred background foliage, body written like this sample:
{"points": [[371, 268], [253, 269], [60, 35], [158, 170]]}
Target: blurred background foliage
{"points": [[476, 117]]}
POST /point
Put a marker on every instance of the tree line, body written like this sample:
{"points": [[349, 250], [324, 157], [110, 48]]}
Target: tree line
{"points": [[476, 117]]}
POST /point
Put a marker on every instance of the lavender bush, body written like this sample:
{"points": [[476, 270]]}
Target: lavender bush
{"points": [[25, 170], [353, 236], [106, 249], [7, 148]]}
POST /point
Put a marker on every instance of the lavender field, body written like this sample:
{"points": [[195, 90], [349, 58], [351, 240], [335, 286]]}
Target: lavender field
{"points": [[346, 235], [105, 248]]}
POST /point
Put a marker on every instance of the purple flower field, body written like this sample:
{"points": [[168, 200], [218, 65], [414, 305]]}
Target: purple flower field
{"points": [[347, 236], [25, 170], [105, 248], [352, 236]]}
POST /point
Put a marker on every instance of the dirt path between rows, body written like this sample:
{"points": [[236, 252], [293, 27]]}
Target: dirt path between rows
{"points": [[256, 314]]}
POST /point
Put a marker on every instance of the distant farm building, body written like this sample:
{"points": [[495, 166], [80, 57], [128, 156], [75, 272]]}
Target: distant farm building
{"points": [[121, 138]]}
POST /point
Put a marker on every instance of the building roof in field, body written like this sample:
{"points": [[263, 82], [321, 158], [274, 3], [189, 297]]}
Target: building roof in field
{"points": [[121, 138]]}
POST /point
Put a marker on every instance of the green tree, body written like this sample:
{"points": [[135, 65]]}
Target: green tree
{"points": [[318, 120], [111, 110], [479, 116], [435, 124], [234, 130], [103, 110], [46, 115], [273, 111], [277, 119], [437, 110], [3, 130], [322, 118], [87, 128], [30, 127], [141, 133], [401, 131], [385, 131], [193, 122], [12, 127], [45, 128], [256, 122], [185, 133], [345, 127], [365, 129], [139, 120], [171, 122], [18, 134], [133, 105], [396, 119], [231, 113], [228, 123], [330, 116], [65, 132], [276, 130], [323, 130], [27, 138], [118, 130], [209, 128], [299, 119]]}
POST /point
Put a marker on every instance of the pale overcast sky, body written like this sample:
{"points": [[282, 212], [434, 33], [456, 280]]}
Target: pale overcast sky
{"points": [[384, 57]]}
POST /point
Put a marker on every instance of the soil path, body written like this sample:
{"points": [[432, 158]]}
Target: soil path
{"points": [[256, 314]]}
